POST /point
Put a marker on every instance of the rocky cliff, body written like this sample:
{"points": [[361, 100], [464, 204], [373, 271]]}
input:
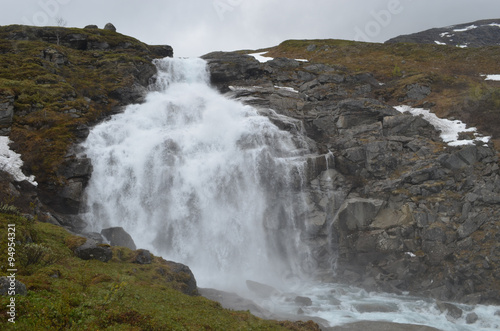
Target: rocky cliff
{"points": [[391, 205], [54, 84], [474, 34], [393, 208]]}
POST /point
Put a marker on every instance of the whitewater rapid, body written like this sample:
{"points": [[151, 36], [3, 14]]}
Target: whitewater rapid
{"points": [[207, 181]]}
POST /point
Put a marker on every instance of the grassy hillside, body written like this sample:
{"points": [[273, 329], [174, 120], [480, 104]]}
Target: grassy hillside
{"points": [[67, 293], [454, 74]]}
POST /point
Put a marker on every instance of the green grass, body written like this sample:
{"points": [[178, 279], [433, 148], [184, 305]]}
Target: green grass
{"points": [[43, 129], [66, 293]]}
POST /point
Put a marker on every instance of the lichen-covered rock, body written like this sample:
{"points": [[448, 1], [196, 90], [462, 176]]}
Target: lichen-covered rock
{"points": [[92, 250], [142, 256], [184, 276]]}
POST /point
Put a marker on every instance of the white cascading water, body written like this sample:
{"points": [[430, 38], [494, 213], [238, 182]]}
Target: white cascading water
{"points": [[200, 179], [206, 181]]}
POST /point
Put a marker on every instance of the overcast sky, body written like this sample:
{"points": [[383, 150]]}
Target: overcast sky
{"points": [[196, 27]]}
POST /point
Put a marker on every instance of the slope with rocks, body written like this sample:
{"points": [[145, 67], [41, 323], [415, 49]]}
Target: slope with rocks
{"points": [[398, 209], [475, 34], [55, 84]]}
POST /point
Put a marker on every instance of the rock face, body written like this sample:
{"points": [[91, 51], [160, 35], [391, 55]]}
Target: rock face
{"points": [[474, 34], [80, 41], [394, 207]]}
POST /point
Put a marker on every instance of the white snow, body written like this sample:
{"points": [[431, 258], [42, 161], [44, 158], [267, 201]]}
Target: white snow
{"points": [[493, 77], [470, 27], [439, 43], [260, 58], [462, 46], [494, 24], [289, 89], [449, 129], [263, 59], [11, 162]]}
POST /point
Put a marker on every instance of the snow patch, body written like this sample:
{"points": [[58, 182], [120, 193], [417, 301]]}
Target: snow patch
{"points": [[11, 162], [439, 43], [263, 59], [492, 77], [259, 57], [470, 27], [289, 89], [494, 24], [449, 129]]}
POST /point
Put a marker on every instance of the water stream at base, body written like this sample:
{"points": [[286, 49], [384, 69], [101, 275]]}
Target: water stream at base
{"points": [[204, 180]]}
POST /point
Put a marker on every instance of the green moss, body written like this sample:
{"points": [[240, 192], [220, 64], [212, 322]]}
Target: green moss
{"points": [[44, 91], [69, 293]]}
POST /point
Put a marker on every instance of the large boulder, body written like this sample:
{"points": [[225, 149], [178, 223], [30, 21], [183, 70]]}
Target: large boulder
{"points": [[92, 250], [110, 27], [117, 236], [228, 67], [183, 275]]}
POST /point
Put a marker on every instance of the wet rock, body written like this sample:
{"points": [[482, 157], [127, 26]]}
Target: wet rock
{"points": [[471, 318], [303, 301], [230, 300], [381, 326], [376, 308], [117, 236], [450, 309], [262, 290]]}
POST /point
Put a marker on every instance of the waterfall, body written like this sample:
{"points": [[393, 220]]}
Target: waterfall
{"points": [[201, 179], [204, 180]]}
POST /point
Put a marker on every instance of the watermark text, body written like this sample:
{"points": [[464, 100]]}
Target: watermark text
{"points": [[11, 262]]}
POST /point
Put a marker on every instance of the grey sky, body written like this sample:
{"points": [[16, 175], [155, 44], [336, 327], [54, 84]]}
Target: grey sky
{"points": [[196, 27]]}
